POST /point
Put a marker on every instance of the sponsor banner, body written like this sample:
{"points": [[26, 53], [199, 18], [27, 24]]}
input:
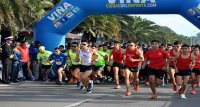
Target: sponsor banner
{"points": [[130, 3], [62, 14]]}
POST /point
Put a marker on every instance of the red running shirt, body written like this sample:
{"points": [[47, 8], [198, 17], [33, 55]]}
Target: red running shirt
{"points": [[131, 54], [197, 62], [117, 55], [25, 54], [157, 58], [182, 63], [172, 57]]}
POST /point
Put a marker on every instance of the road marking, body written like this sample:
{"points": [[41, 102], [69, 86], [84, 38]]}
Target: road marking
{"points": [[2, 85], [79, 103]]}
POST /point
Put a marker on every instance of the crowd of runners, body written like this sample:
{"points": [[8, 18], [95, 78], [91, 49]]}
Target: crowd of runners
{"points": [[86, 64]]}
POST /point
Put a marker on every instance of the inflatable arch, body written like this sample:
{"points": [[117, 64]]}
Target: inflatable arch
{"points": [[64, 17]]}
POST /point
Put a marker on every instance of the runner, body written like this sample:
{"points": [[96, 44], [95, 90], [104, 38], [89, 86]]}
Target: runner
{"points": [[42, 57], [158, 61], [108, 65], [75, 66], [98, 64], [196, 70], [85, 55], [60, 62], [184, 62], [133, 57], [117, 54], [171, 70]]}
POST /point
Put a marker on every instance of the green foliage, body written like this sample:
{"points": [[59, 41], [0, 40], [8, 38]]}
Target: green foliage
{"points": [[18, 14], [124, 27]]}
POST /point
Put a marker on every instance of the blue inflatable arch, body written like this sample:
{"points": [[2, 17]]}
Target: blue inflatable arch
{"points": [[64, 17]]}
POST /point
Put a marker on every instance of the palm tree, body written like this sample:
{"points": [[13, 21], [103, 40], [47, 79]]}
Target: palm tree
{"points": [[18, 14], [14, 14], [104, 25]]}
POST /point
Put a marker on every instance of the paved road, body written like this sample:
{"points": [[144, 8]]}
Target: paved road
{"points": [[42, 94]]}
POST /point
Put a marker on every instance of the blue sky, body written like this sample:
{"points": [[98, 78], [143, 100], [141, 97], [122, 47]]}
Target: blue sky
{"points": [[176, 22]]}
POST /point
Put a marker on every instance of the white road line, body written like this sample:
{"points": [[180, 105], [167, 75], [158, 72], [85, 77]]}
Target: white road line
{"points": [[79, 103], [2, 85]]}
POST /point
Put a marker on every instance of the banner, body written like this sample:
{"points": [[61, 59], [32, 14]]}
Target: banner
{"points": [[64, 17]]}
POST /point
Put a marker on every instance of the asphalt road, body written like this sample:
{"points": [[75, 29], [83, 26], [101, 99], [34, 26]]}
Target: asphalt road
{"points": [[43, 94]]}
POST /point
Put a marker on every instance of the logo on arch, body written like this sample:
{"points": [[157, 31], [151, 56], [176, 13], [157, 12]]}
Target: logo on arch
{"points": [[130, 3], [63, 13]]}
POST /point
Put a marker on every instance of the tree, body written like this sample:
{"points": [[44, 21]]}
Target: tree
{"points": [[18, 14]]}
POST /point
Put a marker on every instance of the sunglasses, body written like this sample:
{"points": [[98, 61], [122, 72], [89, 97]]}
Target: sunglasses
{"points": [[130, 45]]}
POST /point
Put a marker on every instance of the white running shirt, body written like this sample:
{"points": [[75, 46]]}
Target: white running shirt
{"points": [[86, 57]]}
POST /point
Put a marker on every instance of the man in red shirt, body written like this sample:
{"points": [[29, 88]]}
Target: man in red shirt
{"points": [[195, 76], [133, 57], [184, 62], [26, 60], [117, 54], [171, 70], [158, 61]]}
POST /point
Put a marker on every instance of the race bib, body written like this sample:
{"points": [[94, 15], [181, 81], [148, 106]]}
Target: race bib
{"points": [[58, 63]]}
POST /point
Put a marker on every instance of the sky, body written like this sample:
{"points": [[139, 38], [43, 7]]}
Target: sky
{"points": [[176, 22]]}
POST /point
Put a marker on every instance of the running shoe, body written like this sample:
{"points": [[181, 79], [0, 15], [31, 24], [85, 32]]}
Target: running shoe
{"points": [[136, 87], [117, 86], [22, 78], [193, 92], [32, 78], [97, 82], [154, 96], [183, 96], [128, 93], [110, 79], [81, 88], [59, 82], [88, 92], [175, 87]]}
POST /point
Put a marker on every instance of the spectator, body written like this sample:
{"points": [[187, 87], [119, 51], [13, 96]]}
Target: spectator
{"points": [[26, 60], [16, 62], [33, 51], [7, 55]]}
